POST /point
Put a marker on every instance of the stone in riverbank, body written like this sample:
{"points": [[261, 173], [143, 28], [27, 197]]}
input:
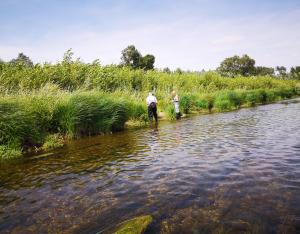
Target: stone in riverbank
{"points": [[134, 226]]}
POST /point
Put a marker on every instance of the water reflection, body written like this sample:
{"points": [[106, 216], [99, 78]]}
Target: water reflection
{"points": [[223, 173]]}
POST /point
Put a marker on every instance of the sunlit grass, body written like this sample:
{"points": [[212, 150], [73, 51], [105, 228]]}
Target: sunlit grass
{"points": [[42, 105]]}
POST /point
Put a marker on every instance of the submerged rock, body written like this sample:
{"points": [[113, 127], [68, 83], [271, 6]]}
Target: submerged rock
{"points": [[136, 225]]}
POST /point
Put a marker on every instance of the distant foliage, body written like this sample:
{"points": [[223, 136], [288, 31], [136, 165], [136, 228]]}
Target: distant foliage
{"points": [[237, 66], [245, 66], [147, 62], [22, 60], [281, 72], [131, 57], [295, 73], [167, 70], [264, 71]]}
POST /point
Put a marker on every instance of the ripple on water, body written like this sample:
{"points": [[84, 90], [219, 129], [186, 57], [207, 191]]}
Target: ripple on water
{"points": [[233, 172]]}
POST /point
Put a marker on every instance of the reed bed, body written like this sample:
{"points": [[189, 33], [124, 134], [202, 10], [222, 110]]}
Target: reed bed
{"points": [[42, 106]]}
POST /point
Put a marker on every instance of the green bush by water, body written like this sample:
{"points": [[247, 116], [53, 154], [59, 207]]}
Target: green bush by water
{"points": [[89, 114], [186, 103], [26, 121], [170, 112], [53, 141]]}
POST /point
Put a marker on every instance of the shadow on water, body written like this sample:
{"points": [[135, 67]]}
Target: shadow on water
{"points": [[237, 172]]}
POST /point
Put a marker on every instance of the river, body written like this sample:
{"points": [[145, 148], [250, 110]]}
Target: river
{"points": [[235, 172]]}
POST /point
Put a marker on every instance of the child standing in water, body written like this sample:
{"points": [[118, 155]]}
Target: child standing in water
{"points": [[176, 104]]}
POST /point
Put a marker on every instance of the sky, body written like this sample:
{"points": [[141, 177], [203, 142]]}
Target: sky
{"points": [[190, 34]]}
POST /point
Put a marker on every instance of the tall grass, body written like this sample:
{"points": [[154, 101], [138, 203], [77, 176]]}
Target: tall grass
{"points": [[27, 121], [73, 75], [39, 105], [88, 114]]}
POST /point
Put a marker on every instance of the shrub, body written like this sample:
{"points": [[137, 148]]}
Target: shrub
{"points": [[170, 112], [138, 111], [7, 152], [234, 98], [53, 141], [89, 114], [262, 96], [202, 104], [286, 93], [185, 103], [222, 104], [271, 96], [251, 98], [17, 124]]}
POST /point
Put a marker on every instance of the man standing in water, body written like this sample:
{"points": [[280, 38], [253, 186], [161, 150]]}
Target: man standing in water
{"points": [[152, 109], [176, 104]]}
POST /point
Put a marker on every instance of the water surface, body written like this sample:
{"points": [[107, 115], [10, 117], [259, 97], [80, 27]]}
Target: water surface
{"points": [[236, 172]]}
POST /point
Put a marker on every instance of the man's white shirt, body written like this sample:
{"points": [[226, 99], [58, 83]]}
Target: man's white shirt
{"points": [[151, 99]]}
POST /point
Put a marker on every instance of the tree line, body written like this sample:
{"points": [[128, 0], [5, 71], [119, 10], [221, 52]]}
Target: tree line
{"points": [[230, 67], [245, 66]]}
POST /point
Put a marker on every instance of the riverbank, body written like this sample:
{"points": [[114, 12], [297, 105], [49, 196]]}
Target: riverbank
{"points": [[45, 120], [43, 106]]}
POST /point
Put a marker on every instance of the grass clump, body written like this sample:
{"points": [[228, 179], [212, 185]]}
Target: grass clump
{"points": [[17, 125], [222, 104], [170, 112], [7, 152], [33, 121], [93, 113], [186, 103], [251, 98], [205, 102], [138, 111], [53, 141]]}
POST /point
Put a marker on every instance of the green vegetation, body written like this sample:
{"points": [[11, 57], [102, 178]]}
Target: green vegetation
{"points": [[131, 57], [134, 226], [42, 105], [53, 141], [245, 66]]}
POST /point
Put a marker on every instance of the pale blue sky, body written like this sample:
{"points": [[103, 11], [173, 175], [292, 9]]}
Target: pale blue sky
{"points": [[191, 34]]}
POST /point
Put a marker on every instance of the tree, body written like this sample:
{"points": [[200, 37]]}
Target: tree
{"points": [[264, 71], [178, 70], [131, 57], [295, 73], [147, 62], [234, 66], [22, 59], [167, 70], [68, 56], [281, 72]]}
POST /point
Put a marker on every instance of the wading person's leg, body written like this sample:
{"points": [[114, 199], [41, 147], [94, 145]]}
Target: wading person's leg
{"points": [[150, 114], [155, 113]]}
